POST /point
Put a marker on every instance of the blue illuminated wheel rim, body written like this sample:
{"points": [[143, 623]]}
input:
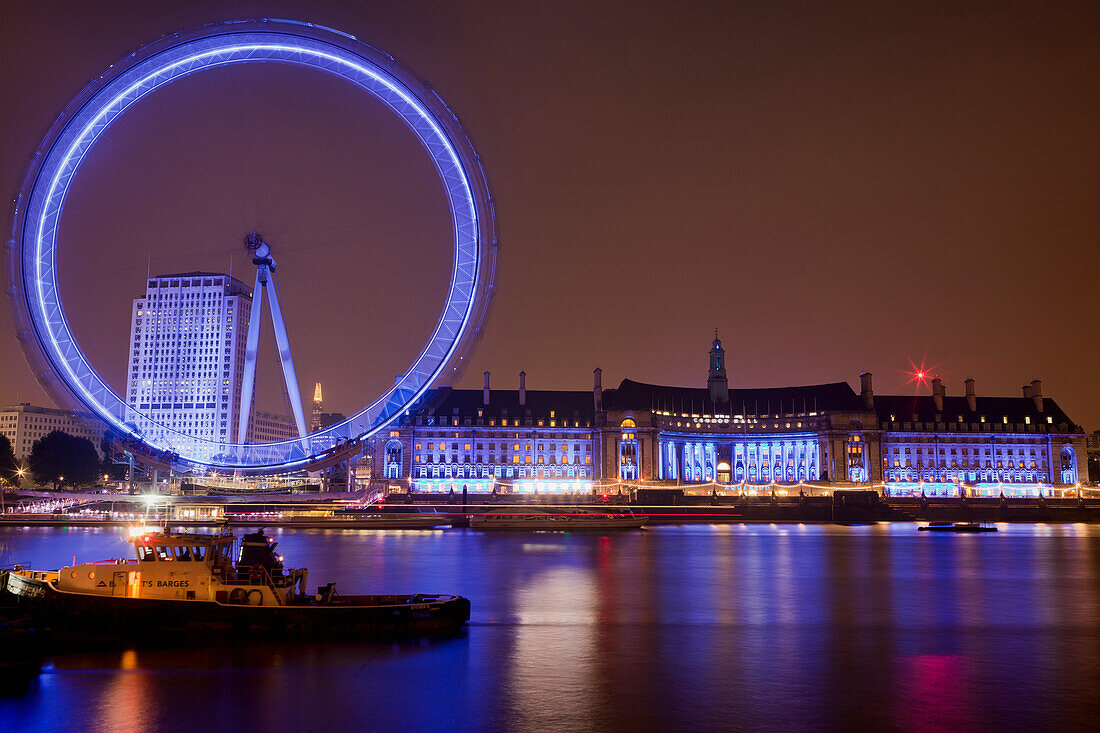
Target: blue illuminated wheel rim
{"points": [[44, 333]]}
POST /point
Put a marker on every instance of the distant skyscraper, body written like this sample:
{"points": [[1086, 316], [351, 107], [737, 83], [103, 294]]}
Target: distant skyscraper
{"points": [[271, 427], [187, 341], [318, 408]]}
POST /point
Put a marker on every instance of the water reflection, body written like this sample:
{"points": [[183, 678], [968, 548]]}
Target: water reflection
{"points": [[740, 626]]}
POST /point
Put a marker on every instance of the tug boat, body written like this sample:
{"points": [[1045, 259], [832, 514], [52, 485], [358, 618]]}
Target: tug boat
{"points": [[539, 518], [969, 527], [182, 580]]}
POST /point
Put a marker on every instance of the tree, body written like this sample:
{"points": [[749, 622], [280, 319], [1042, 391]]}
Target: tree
{"points": [[62, 459], [8, 464]]}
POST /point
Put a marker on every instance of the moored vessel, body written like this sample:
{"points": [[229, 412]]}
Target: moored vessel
{"points": [[182, 580], [968, 527], [542, 518]]}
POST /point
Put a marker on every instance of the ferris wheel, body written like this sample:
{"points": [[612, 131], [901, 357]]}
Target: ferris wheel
{"points": [[48, 342]]}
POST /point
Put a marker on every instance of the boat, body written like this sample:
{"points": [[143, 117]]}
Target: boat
{"points": [[541, 518], [185, 580], [383, 515], [970, 527], [376, 516]]}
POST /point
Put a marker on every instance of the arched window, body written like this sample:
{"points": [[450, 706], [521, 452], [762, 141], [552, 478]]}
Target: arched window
{"points": [[394, 454], [628, 451], [1068, 459]]}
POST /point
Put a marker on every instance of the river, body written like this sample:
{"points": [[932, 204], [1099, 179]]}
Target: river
{"points": [[721, 627]]}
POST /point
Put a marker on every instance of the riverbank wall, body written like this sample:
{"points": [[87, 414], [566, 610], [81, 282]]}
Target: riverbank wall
{"points": [[661, 506]]}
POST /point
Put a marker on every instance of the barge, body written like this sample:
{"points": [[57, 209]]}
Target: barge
{"points": [[966, 527], [189, 581], [541, 519]]}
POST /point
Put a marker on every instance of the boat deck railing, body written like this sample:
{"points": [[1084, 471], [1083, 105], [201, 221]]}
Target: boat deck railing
{"points": [[261, 578]]}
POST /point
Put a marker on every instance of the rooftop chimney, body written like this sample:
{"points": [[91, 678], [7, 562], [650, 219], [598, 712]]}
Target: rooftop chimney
{"points": [[937, 393], [523, 388], [485, 390], [597, 389], [1037, 393], [971, 399], [1027, 390], [865, 390]]}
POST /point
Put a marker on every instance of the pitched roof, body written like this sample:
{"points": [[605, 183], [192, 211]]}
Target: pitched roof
{"points": [[566, 404], [632, 395], [994, 409]]}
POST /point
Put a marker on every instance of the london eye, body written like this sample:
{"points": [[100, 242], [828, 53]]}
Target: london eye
{"points": [[44, 331]]}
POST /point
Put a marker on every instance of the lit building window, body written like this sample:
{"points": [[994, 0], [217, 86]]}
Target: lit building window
{"points": [[628, 451]]}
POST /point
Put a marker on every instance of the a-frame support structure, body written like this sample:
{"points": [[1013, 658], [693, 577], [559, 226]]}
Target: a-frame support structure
{"points": [[265, 281]]}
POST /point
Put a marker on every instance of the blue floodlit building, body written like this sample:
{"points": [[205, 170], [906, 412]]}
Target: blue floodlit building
{"points": [[525, 440], [781, 438], [186, 355]]}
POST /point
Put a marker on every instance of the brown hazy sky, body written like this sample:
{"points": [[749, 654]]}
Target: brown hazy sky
{"points": [[835, 186]]}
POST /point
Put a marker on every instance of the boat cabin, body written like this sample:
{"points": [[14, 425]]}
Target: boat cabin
{"points": [[192, 567]]}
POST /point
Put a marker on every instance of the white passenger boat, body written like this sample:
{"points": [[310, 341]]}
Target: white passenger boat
{"points": [[542, 518]]}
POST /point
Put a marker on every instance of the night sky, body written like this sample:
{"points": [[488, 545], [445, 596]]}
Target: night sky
{"points": [[835, 186]]}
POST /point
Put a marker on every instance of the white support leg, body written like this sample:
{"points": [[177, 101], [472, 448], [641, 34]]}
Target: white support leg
{"points": [[251, 347], [283, 343]]}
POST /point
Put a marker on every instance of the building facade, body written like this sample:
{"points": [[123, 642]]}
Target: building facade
{"points": [[271, 427], [23, 424], [527, 440], [186, 358], [1010, 445], [1092, 444], [782, 438]]}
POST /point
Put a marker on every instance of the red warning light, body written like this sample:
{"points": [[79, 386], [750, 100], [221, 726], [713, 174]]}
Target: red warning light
{"points": [[921, 375]]}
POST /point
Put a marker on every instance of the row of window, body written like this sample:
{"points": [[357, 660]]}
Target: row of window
{"points": [[504, 422], [526, 435], [515, 458], [503, 446], [966, 463], [1001, 450], [982, 419], [498, 472], [1010, 475]]}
